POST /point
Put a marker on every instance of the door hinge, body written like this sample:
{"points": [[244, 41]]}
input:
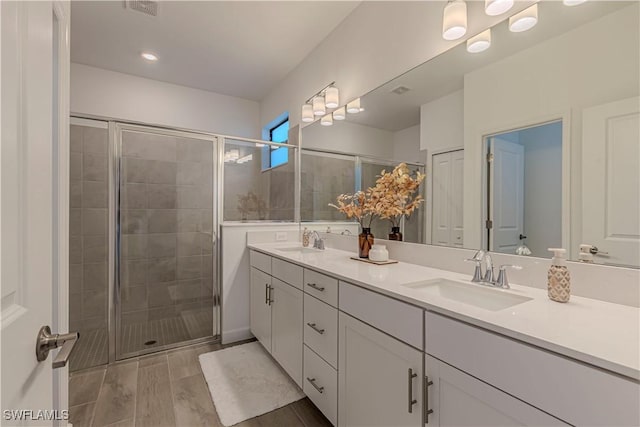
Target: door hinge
{"points": [[489, 224], [489, 157]]}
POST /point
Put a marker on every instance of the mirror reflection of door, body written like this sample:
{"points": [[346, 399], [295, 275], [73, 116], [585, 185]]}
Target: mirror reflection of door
{"points": [[524, 190], [447, 177]]}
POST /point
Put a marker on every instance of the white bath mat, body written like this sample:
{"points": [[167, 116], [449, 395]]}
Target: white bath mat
{"points": [[245, 382]]}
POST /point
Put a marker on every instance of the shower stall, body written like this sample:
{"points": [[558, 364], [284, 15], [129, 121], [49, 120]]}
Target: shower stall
{"points": [[143, 239]]}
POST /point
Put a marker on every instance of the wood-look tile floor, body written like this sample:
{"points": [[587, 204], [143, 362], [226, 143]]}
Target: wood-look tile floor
{"points": [[164, 389]]}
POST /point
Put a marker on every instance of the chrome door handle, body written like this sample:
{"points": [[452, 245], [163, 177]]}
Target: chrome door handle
{"points": [[316, 287], [595, 251], [426, 400], [412, 401], [315, 328], [47, 341], [312, 381]]}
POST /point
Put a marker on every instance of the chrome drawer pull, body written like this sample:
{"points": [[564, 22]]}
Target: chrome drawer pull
{"points": [[315, 328], [312, 381], [316, 287], [426, 399], [412, 401]]}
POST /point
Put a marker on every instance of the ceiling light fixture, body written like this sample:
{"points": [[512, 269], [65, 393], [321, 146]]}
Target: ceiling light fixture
{"points": [[326, 120], [479, 42], [307, 113], [525, 20], [454, 20], [319, 109], [573, 2], [340, 114], [353, 107], [331, 97], [149, 56], [497, 7]]}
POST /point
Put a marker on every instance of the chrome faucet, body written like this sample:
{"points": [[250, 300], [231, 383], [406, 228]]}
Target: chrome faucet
{"points": [[318, 243], [488, 278]]}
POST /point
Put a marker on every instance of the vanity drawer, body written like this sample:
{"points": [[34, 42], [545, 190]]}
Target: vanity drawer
{"points": [[400, 320], [260, 261], [321, 384], [569, 390], [287, 272], [321, 286], [321, 329]]}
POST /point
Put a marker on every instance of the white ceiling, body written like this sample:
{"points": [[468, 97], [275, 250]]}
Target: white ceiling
{"points": [[236, 48]]}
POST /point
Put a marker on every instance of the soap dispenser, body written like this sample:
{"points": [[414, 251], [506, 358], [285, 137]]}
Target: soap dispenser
{"points": [[305, 237], [558, 278]]}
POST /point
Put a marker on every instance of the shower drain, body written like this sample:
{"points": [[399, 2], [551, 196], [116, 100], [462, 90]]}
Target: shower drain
{"points": [[150, 342]]}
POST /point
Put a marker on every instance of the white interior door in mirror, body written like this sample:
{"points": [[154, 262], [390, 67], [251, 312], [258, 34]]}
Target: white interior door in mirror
{"points": [[611, 181], [447, 201], [506, 195]]}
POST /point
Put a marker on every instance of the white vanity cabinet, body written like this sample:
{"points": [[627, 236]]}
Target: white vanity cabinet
{"points": [[454, 398], [379, 380], [276, 311]]}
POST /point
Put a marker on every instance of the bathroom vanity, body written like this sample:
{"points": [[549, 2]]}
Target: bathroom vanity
{"points": [[409, 345]]}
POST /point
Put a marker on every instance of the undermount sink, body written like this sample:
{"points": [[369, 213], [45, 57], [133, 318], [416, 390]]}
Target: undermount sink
{"points": [[476, 295], [300, 249]]}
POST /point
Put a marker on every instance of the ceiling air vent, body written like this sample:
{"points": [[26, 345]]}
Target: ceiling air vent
{"points": [[400, 90], [146, 7]]}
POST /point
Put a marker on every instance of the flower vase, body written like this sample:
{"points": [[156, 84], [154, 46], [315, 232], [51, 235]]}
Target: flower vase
{"points": [[395, 234], [365, 241]]}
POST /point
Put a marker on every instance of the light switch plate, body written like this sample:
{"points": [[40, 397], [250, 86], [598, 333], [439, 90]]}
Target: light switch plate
{"points": [[281, 236]]}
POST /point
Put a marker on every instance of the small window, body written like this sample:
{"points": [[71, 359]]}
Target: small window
{"points": [[275, 156]]}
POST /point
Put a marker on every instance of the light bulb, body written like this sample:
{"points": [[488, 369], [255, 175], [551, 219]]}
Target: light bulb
{"points": [[149, 56], [340, 114], [525, 20], [497, 7], [318, 106], [480, 42], [326, 120], [331, 97], [307, 113], [454, 20], [353, 107]]}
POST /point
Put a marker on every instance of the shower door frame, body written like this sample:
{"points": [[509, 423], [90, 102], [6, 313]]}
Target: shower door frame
{"points": [[116, 129]]}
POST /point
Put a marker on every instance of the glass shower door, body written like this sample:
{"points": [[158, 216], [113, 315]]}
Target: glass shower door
{"points": [[166, 286]]}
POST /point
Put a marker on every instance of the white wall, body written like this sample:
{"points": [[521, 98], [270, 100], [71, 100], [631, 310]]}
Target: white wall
{"points": [[406, 145], [347, 137], [110, 94], [378, 41], [590, 65]]}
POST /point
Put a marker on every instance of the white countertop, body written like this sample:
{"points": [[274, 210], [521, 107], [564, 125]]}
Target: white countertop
{"points": [[599, 333]]}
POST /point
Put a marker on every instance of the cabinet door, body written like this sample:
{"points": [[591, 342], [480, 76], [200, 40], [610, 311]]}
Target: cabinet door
{"points": [[458, 399], [379, 378], [286, 332], [260, 307]]}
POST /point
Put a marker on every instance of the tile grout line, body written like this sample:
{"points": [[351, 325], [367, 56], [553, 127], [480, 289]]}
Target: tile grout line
{"points": [[173, 400], [93, 414], [135, 401]]}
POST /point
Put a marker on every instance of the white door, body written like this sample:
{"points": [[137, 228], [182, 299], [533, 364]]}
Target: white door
{"points": [[447, 179], [458, 399], [379, 378], [260, 311], [506, 195], [286, 328], [34, 132], [457, 198], [611, 181]]}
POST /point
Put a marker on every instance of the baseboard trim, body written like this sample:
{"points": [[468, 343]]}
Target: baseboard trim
{"points": [[235, 335]]}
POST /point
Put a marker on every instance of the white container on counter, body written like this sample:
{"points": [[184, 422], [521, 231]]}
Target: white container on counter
{"points": [[378, 253]]}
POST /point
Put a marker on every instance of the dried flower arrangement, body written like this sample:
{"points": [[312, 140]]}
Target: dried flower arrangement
{"points": [[356, 206], [251, 202], [394, 195]]}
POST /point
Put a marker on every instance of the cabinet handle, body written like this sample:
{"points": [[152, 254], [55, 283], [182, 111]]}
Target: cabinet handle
{"points": [[266, 293], [315, 328], [269, 299], [312, 381], [412, 401], [428, 411], [316, 287]]}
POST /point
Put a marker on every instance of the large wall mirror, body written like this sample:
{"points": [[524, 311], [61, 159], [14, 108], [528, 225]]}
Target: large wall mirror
{"points": [[530, 144]]}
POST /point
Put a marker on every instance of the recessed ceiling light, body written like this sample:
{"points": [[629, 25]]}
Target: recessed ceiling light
{"points": [[149, 56]]}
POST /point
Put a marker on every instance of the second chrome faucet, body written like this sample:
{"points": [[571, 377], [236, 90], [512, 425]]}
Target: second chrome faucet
{"points": [[488, 278]]}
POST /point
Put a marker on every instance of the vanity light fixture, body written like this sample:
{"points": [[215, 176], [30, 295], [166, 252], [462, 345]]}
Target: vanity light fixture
{"points": [[454, 20], [479, 42], [307, 113], [319, 109], [326, 120], [353, 107], [525, 20], [497, 7], [573, 2], [331, 97], [149, 56], [340, 114]]}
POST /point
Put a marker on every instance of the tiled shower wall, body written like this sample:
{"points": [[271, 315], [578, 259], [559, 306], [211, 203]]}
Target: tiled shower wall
{"points": [[88, 243], [167, 250]]}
